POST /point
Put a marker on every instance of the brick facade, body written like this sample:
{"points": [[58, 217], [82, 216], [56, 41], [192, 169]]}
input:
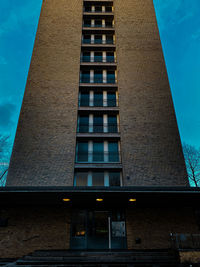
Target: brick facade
{"points": [[150, 143], [34, 228], [44, 149]]}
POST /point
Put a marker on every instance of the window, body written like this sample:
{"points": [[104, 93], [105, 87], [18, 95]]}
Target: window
{"points": [[86, 39], [110, 77], [98, 39], [110, 57], [108, 8], [98, 124], [98, 76], [98, 99], [98, 8], [112, 124], [97, 56], [114, 178], [86, 57], [81, 179], [109, 39], [83, 124], [111, 99], [85, 77], [82, 152], [87, 9], [113, 152], [98, 179], [98, 151], [84, 99], [87, 23], [98, 23]]}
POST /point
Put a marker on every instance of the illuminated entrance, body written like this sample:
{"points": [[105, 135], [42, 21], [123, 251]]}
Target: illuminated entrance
{"points": [[98, 229]]}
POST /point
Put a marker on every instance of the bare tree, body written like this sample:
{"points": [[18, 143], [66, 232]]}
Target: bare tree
{"points": [[192, 159], [4, 158]]}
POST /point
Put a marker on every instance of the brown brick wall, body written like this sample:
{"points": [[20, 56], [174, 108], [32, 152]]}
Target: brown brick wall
{"points": [[44, 147], [34, 228], [154, 225], [151, 149]]}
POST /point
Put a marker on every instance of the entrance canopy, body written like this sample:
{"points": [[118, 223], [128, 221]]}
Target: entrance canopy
{"points": [[100, 196]]}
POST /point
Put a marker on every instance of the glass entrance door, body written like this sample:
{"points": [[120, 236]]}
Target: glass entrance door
{"points": [[98, 229]]}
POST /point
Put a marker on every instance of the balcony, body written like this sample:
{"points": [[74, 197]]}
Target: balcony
{"points": [[98, 157], [98, 128], [98, 9], [98, 103], [98, 80], [98, 59]]}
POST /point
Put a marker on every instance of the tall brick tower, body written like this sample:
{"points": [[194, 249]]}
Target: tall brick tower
{"points": [[97, 101], [97, 135]]}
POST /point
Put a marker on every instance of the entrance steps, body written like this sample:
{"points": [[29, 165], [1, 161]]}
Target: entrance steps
{"points": [[126, 258]]}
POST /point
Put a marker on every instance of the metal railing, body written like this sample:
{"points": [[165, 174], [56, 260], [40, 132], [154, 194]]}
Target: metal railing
{"points": [[98, 9], [98, 128], [98, 157], [185, 241], [107, 59], [97, 41], [88, 25], [98, 103], [98, 80]]}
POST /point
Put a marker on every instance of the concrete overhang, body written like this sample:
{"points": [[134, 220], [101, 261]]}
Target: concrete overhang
{"points": [[112, 197]]}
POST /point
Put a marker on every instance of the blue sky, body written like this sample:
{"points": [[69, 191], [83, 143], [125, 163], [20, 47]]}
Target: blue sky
{"points": [[179, 25]]}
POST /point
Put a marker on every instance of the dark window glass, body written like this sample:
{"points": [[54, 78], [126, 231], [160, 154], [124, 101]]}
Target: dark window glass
{"points": [[98, 39], [98, 124], [98, 76], [82, 150], [98, 99], [98, 56], [114, 178], [85, 76], [87, 39], [118, 216], [78, 224], [81, 178], [87, 9], [112, 124], [84, 99], [98, 23], [83, 124], [98, 151], [98, 8], [110, 77], [98, 179], [113, 152], [86, 57], [87, 23], [110, 57], [111, 99], [108, 9], [109, 39], [109, 24]]}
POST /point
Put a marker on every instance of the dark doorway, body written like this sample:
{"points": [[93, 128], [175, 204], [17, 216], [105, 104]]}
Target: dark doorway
{"points": [[98, 229]]}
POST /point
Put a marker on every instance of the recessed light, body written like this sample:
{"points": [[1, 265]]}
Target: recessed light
{"points": [[99, 199], [66, 199], [132, 199]]}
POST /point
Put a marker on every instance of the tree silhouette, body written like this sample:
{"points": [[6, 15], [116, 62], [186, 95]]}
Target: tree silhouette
{"points": [[4, 158], [192, 160]]}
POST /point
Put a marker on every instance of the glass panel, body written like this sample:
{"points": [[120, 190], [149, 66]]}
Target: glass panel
{"points": [[98, 151], [112, 124], [84, 100], [98, 76], [78, 225], [113, 152], [114, 178], [98, 8], [111, 99], [98, 56], [83, 124], [98, 99], [87, 9], [87, 23], [86, 57], [110, 77], [101, 224], [110, 57], [98, 124], [81, 179], [109, 24], [85, 76], [82, 152], [98, 179], [98, 39], [108, 9], [87, 39], [98, 23], [109, 39]]}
